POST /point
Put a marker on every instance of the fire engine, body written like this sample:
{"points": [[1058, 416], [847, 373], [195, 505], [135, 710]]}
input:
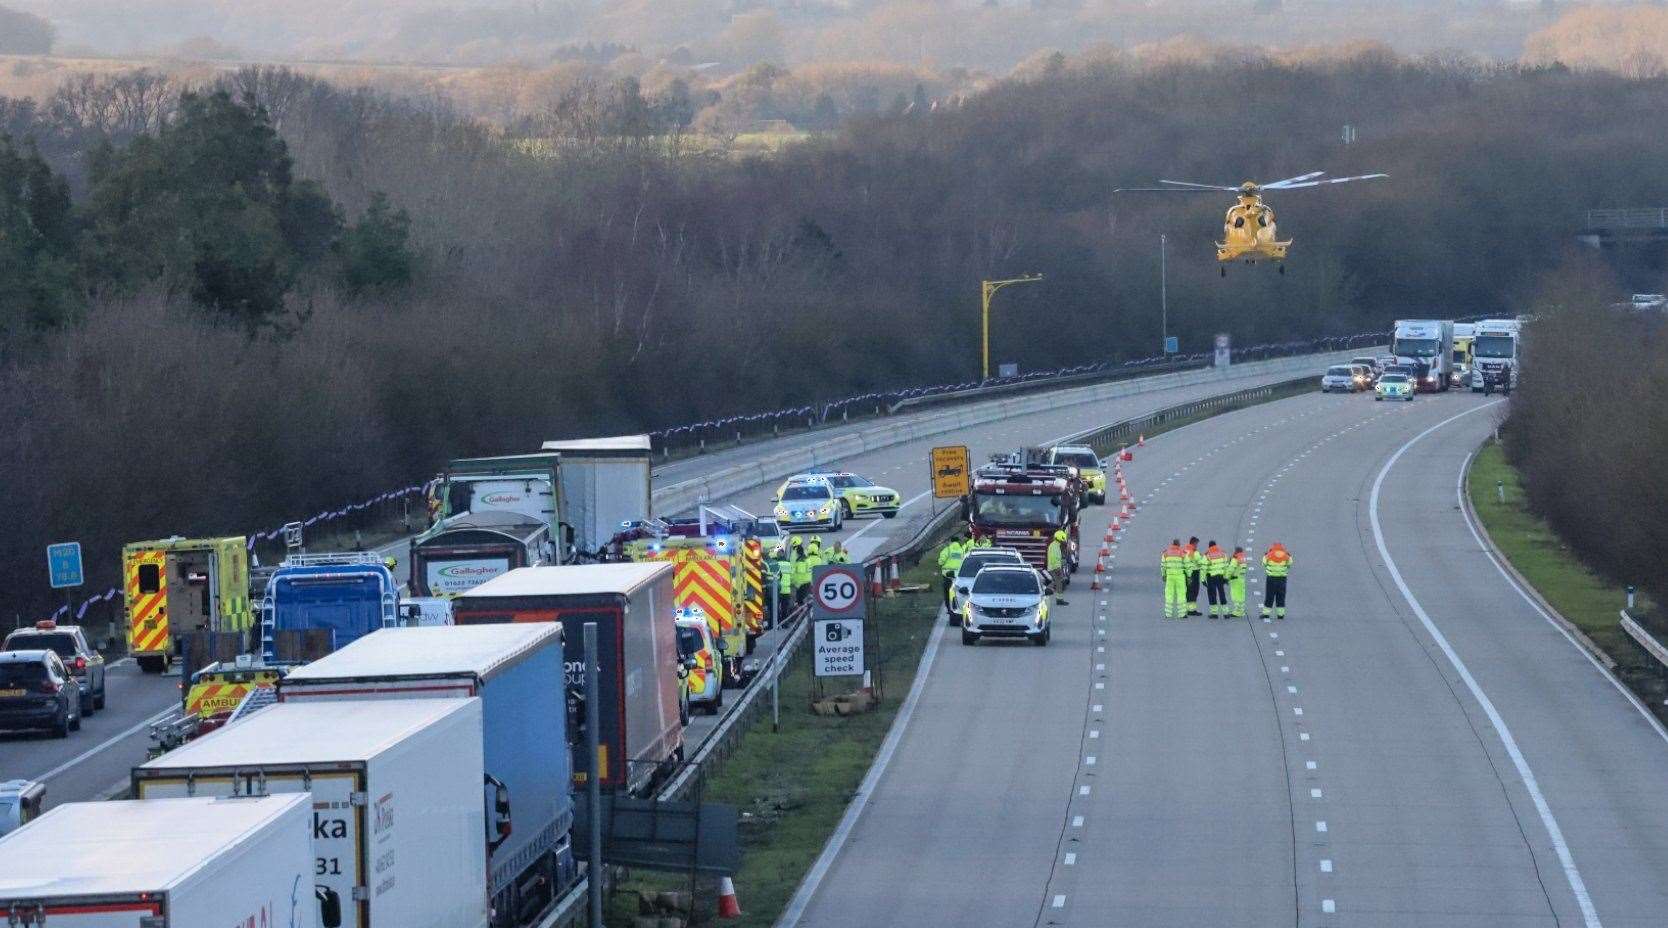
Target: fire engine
{"points": [[1019, 502]]}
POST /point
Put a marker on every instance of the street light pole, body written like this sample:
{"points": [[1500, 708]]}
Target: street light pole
{"points": [[1163, 295], [988, 289]]}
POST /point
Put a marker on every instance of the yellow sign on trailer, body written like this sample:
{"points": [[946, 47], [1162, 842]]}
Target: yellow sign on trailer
{"points": [[177, 586]]}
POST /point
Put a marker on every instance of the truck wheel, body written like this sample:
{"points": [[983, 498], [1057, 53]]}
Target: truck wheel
{"points": [[968, 638], [152, 663]]}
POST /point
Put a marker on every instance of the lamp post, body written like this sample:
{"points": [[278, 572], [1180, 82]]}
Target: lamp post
{"points": [[1163, 293], [989, 288]]}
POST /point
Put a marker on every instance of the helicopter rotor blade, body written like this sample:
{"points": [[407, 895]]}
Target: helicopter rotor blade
{"points": [[1184, 183], [1199, 189], [1292, 180], [1333, 180]]}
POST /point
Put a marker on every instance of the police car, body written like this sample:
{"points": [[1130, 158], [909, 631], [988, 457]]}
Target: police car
{"points": [[809, 503], [1089, 468], [857, 494], [702, 675]]}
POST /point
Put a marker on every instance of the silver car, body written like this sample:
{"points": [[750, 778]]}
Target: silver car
{"points": [[1341, 378]]}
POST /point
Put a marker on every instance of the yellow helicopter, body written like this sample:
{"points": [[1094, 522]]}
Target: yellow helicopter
{"points": [[1248, 229]]}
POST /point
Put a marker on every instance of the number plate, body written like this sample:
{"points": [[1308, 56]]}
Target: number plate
{"points": [[7, 694]]}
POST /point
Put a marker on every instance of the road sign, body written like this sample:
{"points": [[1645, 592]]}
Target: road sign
{"points": [[63, 564], [950, 471], [837, 591], [1172, 345], [838, 645]]}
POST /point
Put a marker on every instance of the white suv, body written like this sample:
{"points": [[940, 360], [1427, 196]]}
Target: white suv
{"points": [[1007, 601]]}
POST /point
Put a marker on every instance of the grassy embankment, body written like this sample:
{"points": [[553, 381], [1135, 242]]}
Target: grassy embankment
{"points": [[792, 786], [1580, 594]]}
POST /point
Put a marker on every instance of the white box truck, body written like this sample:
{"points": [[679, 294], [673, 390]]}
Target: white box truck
{"points": [[396, 789], [518, 674], [163, 863], [605, 484], [1427, 347]]}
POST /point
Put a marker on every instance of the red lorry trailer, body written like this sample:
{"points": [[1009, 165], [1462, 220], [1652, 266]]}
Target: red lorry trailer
{"points": [[641, 737]]}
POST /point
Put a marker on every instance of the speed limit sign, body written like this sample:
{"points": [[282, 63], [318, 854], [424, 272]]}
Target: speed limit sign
{"points": [[836, 591]]}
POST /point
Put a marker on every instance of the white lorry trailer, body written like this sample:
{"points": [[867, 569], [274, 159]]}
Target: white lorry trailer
{"points": [[1495, 349], [396, 790], [517, 672], [605, 483], [1426, 346], [163, 863]]}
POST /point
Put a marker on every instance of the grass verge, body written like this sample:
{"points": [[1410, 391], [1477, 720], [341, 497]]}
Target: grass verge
{"points": [[1580, 594], [793, 785]]}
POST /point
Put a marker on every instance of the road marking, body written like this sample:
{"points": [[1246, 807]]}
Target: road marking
{"points": [[1059, 902], [1083, 790], [1279, 654], [1297, 710], [1326, 866], [1303, 736], [1314, 794], [1100, 666], [1290, 689], [1094, 733], [1578, 886], [1320, 827], [1286, 669], [813, 878], [1309, 765], [1090, 760], [1328, 906], [101, 746], [1096, 707], [1459, 488], [1100, 686], [1077, 821], [1071, 859]]}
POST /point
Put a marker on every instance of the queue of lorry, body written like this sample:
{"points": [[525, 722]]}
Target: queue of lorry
{"points": [[1434, 355]]}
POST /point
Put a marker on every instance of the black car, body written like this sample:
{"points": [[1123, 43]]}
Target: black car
{"points": [[37, 691], [81, 659]]}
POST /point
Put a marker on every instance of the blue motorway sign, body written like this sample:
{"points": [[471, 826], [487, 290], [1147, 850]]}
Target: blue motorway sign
{"points": [[1172, 345], [63, 564]]}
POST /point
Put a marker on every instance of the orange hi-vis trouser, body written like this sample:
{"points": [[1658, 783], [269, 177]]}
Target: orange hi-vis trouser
{"points": [[1175, 594]]}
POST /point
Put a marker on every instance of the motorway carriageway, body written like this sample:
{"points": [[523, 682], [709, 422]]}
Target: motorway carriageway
{"points": [[94, 762], [1415, 745]]}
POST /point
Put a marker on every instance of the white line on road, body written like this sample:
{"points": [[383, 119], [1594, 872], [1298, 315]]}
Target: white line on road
{"points": [[1326, 866], [1578, 886], [1320, 827], [1059, 902], [813, 878], [1328, 906], [1083, 790], [1071, 859], [100, 746]]}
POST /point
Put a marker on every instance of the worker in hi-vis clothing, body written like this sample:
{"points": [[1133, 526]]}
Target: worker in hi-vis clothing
{"points": [[1277, 564], [1173, 564], [949, 561], [1195, 567], [1236, 582], [1216, 580], [1057, 564]]}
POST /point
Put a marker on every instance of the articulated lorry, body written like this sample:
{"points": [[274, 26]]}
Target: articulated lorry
{"points": [[582, 490], [466, 550], [163, 863], [343, 596], [641, 737], [177, 586], [517, 673], [396, 795], [1426, 346], [1496, 350]]}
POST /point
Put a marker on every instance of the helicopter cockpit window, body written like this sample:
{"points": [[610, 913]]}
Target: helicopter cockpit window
{"points": [[1239, 222]]}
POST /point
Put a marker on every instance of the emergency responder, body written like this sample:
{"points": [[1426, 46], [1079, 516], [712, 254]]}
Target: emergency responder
{"points": [[949, 561], [775, 565], [1195, 567], [814, 546], [1173, 567], [390, 562], [838, 555], [803, 569], [1236, 582], [1216, 580], [1057, 565], [784, 584], [1277, 564], [796, 548], [983, 541]]}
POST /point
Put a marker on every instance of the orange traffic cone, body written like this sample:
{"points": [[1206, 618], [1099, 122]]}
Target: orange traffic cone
{"points": [[1105, 548], [728, 905], [1095, 583], [1142, 441]]}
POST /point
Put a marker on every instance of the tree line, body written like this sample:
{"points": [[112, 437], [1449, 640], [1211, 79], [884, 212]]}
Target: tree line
{"points": [[618, 280]]}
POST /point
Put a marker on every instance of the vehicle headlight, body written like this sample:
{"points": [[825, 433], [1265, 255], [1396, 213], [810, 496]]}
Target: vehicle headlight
{"points": [[824, 511], [781, 512]]}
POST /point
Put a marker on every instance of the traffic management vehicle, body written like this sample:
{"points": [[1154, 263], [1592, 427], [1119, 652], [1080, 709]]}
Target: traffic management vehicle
{"points": [[1006, 602], [165, 863], [69, 642], [1090, 469]]}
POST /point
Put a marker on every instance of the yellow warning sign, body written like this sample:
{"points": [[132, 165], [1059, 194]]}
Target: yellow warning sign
{"points": [[950, 472]]}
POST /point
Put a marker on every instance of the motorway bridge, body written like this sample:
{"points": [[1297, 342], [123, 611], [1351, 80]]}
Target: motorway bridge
{"points": [[1418, 744]]}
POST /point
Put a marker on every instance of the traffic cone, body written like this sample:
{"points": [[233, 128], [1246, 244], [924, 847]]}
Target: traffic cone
{"points": [[1106, 547], [877, 585], [1100, 566], [728, 905], [1142, 441], [894, 582], [1095, 583]]}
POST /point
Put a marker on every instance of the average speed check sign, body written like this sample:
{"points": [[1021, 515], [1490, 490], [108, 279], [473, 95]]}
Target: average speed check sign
{"points": [[837, 592]]}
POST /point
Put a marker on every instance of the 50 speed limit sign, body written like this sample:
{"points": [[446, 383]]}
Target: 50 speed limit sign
{"points": [[837, 592]]}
